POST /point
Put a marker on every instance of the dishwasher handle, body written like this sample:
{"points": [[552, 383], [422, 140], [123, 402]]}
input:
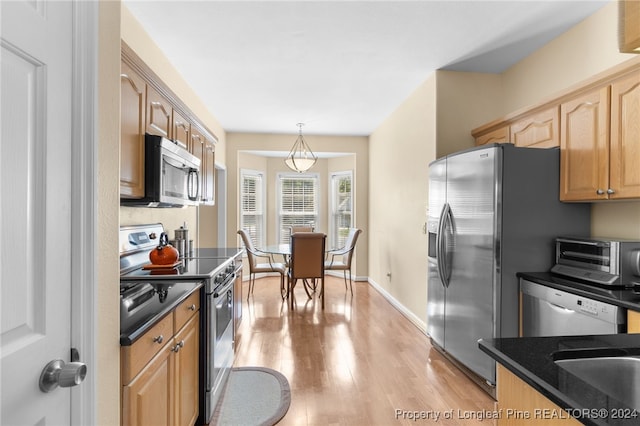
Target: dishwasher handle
{"points": [[559, 307]]}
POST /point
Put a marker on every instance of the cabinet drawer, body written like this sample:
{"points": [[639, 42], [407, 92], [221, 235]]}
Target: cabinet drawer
{"points": [[186, 310], [139, 354]]}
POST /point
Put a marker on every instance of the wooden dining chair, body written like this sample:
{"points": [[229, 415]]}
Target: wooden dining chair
{"points": [[306, 261], [295, 229], [340, 259], [253, 256]]}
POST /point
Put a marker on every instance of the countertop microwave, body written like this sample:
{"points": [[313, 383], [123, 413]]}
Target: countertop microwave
{"points": [[172, 175], [602, 261]]}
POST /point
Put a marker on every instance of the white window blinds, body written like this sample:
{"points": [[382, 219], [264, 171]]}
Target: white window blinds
{"points": [[252, 206], [341, 208], [298, 203]]}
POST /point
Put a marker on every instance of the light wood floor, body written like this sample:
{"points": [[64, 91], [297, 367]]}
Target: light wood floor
{"points": [[357, 363]]}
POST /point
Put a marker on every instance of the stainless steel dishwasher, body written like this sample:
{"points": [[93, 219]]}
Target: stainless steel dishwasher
{"points": [[550, 312]]}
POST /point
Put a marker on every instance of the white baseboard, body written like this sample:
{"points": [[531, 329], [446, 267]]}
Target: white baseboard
{"points": [[422, 326]]}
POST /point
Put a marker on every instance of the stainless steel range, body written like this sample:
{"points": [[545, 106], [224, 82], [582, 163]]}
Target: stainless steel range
{"points": [[147, 287]]}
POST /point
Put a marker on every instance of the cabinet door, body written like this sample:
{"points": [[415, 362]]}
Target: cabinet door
{"points": [[540, 130], [208, 173], [515, 396], [132, 119], [187, 361], [149, 398], [584, 147], [158, 114], [181, 129], [197, 147], [500, 135], [629, 26], [624, 173]]}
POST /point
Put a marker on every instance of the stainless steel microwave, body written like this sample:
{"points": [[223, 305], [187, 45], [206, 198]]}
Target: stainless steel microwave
{"points": [[611, 262], [172, 175]]}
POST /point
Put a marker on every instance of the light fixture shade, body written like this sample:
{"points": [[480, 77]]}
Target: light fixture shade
{"points": [[300, 158]]}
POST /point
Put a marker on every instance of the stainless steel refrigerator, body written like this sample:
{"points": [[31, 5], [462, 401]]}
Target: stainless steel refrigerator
{"points": [[493, 211]]}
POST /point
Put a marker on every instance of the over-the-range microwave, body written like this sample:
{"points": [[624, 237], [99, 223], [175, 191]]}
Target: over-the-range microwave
{"points": [[172, 175]]}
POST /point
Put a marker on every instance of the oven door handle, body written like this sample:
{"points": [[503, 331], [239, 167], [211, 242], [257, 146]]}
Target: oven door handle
{"points": [[227, 286]]}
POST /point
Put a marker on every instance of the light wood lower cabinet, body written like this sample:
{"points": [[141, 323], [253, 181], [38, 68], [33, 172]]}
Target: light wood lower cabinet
{"points": [[160, 371], [633, 322], [520, 404], [148, 399], [186, 384]]}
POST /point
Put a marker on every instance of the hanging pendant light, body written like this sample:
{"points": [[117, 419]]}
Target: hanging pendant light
{"points": [[300, 158]]}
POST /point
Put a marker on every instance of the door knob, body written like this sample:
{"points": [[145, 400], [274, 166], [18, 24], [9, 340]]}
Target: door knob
{"points": [[57, 373]]}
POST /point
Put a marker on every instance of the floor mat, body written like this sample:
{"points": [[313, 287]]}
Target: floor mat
{"points": [[254, 396]]}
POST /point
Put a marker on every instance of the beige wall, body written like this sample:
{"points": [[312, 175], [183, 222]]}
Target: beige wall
{"points": [[107, 370], [587, 49], [357, 158], [400, 151], [464, 101]]}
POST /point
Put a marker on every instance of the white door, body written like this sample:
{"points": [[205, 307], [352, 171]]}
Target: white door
{"points": [[35, 207]]}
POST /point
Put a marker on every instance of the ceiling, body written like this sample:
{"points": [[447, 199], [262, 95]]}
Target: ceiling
{"points": [[339, 67]]}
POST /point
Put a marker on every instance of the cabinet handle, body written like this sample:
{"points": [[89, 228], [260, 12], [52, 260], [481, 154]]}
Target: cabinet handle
{"points": [[158, 339], [192, 307], [600, 191], [610, 191], [178, 346]]}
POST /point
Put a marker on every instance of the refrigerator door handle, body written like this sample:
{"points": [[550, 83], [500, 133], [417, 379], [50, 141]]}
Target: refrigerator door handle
{"points": [[448, 256], [441, 245]]}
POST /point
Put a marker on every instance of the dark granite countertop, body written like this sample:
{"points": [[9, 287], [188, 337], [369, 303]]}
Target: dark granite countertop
{"points": [[179, 291], [217, 252], [532, 360], [624, 297]]}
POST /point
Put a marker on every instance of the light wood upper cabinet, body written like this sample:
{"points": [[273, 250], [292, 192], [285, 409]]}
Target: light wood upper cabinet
{"points": [[584, 144], [539, 130], [600, 143], [181, 129], [629, 26], [500, 135], [158, 114], [132, 119], [208, 172], [624, 159], [196, 147]]}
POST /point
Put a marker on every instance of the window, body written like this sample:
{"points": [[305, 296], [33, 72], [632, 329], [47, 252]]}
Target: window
{"points": [[252, 214], [297, 203], [341, 207]]}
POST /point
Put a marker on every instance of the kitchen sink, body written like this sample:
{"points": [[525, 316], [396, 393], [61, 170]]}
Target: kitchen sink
{"points": [[617, 376]]}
